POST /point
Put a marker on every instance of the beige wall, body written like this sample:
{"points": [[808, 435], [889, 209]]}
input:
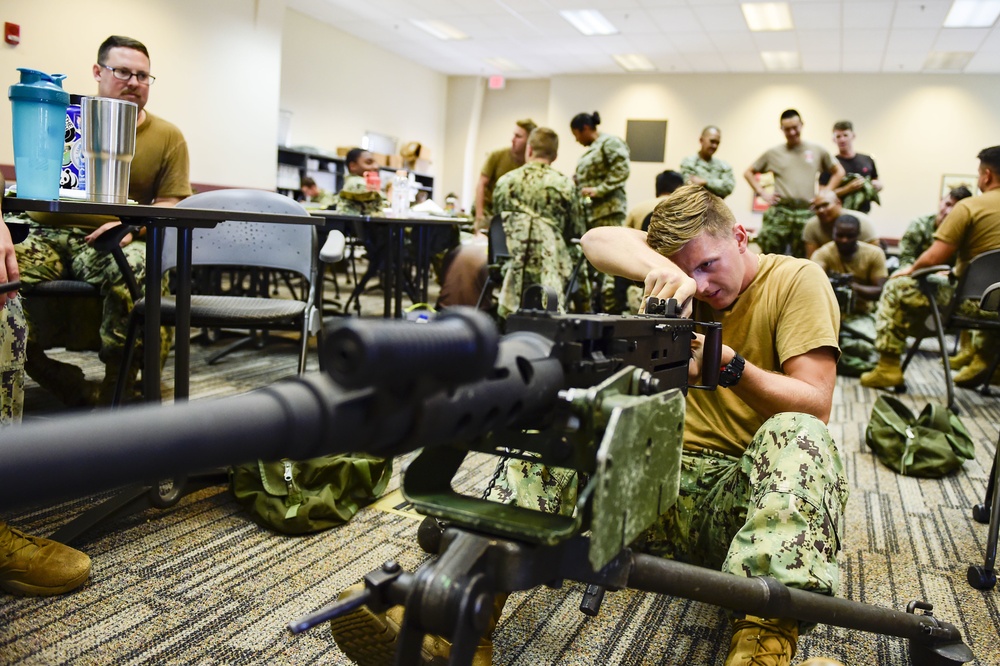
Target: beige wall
{"points": [[216, 63], [337, 87]]}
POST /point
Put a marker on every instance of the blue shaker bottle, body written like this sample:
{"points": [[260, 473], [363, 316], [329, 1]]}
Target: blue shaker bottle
{"points": [[39, 107]]}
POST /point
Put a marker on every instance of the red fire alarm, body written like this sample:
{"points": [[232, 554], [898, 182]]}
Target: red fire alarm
{"points": [[12, 33]]}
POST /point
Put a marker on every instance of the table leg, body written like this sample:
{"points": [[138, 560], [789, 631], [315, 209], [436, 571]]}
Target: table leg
{"points": [[151, 327], [400, 249], [182, 325]]}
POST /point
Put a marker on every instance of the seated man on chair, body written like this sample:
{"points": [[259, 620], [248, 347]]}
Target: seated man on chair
{"points": [[59, 247], [860, 269], [970, 229], [541, 213]]}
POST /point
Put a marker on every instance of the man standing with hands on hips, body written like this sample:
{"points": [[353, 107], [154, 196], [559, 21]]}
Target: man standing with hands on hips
{"points": [[59, 246]]}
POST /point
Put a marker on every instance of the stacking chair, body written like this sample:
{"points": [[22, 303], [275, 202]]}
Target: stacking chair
{"points": [[496, 254], [981, 273], [985, 577], [278, 247]]}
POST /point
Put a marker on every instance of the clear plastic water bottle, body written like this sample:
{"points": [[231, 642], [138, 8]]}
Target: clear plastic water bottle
{"points": [[401, 193]]}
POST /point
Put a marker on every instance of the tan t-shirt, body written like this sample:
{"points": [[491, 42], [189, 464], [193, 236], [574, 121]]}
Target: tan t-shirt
{"points": [[814, 232], [639, 212], [789, 309], [795, 169], [497, 164], [867, 265], [973, 226]]}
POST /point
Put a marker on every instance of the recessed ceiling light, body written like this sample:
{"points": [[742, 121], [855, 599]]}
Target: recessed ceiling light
{"points": [[780, 60], [972, 14], [634, 62], [765, 16], [589, 21], [504, 65], [440, 29], [947, 61]]}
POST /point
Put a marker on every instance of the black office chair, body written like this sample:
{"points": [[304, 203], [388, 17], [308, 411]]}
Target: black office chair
{"points": [[496, 254], [985, 577], [981, 273]]}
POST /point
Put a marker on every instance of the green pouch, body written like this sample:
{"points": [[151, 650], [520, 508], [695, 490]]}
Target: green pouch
{"points": [[297, 497], [931, 445]]}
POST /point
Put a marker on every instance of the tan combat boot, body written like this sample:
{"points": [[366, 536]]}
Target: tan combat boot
{"points": [[964, 353], [762, 642], [886, 375], [370, 638], [973, 374], [39, 567]]}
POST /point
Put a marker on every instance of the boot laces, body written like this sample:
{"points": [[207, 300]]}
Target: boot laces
{"points": [[16, 542]]}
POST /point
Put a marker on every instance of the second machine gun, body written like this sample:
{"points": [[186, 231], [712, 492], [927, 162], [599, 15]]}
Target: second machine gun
{"points": [[601, 395]]}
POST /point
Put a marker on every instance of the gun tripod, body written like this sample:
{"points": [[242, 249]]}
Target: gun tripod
{"points": [[452, 595]]}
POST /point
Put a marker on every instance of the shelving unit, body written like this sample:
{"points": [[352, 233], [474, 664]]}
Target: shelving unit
{"points": [[328, 172]]}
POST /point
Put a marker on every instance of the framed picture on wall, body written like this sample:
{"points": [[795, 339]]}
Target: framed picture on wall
{"points": [[766, 181], [950, 181]]}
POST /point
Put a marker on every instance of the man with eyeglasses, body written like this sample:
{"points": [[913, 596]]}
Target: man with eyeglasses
{"points": [[59, 247]]}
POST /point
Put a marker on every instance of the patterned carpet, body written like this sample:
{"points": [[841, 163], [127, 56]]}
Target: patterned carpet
{"points": [[199, 583]]}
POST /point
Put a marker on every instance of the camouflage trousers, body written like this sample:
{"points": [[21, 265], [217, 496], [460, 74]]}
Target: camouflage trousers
{"points": [[13, 349], [781, 230], [857, 348], [904, 310], [777, 510], [54, 253]]}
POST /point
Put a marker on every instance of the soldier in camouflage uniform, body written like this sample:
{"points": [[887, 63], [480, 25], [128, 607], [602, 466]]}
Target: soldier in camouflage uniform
{"points": [[28, 565], [795, 165], [355, 198], [601, 174], [762, 484], [860, 187], [541, 213], [703, 169], [970, 229], [315, 196]]}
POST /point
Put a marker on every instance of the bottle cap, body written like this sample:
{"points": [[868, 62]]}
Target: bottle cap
{"points": [[38, 86]]}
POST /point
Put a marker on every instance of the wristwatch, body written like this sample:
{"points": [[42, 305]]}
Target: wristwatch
{"points": [[730, 374]]}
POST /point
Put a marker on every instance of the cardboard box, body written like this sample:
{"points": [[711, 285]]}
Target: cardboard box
{"points": [[395, 161], [343, 150], [381, 158], [422, 166]]}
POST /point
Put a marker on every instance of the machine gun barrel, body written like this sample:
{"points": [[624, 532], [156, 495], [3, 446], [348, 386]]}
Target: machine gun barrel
{"points": [[507, 383]]}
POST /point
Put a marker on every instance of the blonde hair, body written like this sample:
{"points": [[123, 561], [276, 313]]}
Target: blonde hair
{"points": [[687, 213], [544, 143]]}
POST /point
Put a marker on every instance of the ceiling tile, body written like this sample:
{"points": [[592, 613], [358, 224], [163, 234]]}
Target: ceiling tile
{"points": [[693, 42], [819, 41], [861, 61], [864, 40], [721, 17], [960, 39], [922, 14], [709, 62], [911, 40], [748, 61], [631, 21], [674, 19], [867, 15], [904, 62], [785, 40], [819, 62], [983, 63], [733, 41], [816, 16]]}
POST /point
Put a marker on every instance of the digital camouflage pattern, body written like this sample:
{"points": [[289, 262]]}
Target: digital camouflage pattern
{"points": [[718, 175], [861, 199], [13, 348], [775, 511], [541, 213], [604, 166], [918, 237], [356, 199], [323, 199], [903, 310], [857, 347], [781, 230]]}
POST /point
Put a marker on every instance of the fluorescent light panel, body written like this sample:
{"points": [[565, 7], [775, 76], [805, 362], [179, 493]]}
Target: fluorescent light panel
{"points": [[972, 14], [589, 21], [634, 62], [767, 16], [440, 29], [776, 61], [947, 61], [504, 65]]}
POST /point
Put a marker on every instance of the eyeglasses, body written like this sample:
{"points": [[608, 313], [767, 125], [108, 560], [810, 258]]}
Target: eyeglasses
{"points": [[123, 74]]}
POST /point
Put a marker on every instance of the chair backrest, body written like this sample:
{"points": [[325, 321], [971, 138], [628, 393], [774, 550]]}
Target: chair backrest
{"points": [[237, 243], [497, 248], [982, 272]]}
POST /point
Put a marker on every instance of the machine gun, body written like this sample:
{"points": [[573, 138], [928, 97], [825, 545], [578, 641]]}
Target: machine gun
{"points": [[598, 394], [842, 289]]}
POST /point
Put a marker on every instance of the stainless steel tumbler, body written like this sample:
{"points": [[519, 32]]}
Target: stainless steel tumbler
{"points": [[108, 147]]}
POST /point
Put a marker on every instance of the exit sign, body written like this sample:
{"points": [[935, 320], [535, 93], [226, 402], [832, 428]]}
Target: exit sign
{"points": [[497, 82]]}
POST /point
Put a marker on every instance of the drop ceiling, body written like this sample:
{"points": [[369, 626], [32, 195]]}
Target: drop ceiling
{"points": [[677, 36]]}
